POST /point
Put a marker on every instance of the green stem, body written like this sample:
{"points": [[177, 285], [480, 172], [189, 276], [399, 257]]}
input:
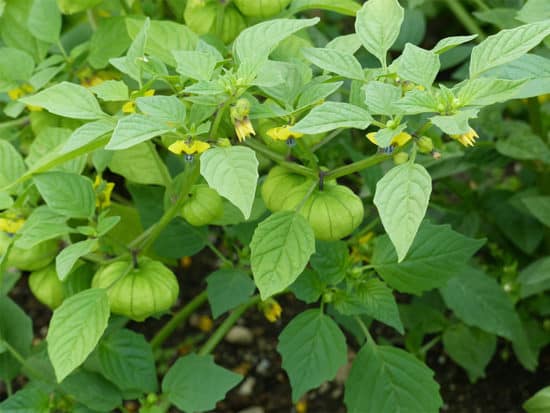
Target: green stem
{"points": [[222, 330], [365, 330], [307, 195], [535, 119], [14, 123], [91, 19], [218, 118], [219, 20], [20, 359], [465, 18], [9, 387], [481, 5], [327, 139], [294, 167], [177, 319], [357, 166], [166, 178], [426, 347], [218, 253]]}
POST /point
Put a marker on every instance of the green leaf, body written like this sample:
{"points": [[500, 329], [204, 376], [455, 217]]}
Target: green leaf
{"points": [[534, 10], [75, 6], [437, 254], [228, 288], [335, 61], [68, 100], [87, 134], [111, 91], [92, 390], [449, 43], [372, 298], [539, 403], [66, 193], [402, 197], [333, 115], [313, 349], [197, 392], [418, 65], [28, 400], [43, 224], [67, 258], [180, 239], [15, 64], [347, 7], [11, 164], [524, 146], [109, 40], [5, 200], [470, 348], [331, 260], [131, 63], [280, 249], [75, 329], [126, 359], [480, 301], [539, 207], [253, 45], [506, 46], [140, 164], [15, 330], [384, 136], [486, 91], [456, 124], [196, 65], [168, 109], [135, 129], [308, 287], [233, 172], [381, 97], [392, 378], [44, 21], [378, 24], [314, 93], [535, 278]]}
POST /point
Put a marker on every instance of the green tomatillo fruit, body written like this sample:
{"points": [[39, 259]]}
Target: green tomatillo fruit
{"points": [[279, 183], [46, 287], [203, 207], [31, 259], [333, 213], [261, 8], [138, 292], [200, 16]]}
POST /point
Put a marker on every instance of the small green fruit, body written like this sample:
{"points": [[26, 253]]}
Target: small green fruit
{"points": [[46, 287], [261, 8], [278, 185], [425, 145], [400, 158], [201, 18], [147, 289], [203, 207], [333, 213], [31, 259]]}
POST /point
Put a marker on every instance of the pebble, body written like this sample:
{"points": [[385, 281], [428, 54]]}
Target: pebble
{"points": [[255, 409], [247, 388], [239, 335], [263, 367]]}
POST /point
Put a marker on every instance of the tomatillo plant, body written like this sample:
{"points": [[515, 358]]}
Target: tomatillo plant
{"points": [[341, 169]]}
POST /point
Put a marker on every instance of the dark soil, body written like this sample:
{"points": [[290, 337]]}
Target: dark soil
{"points": [[506, 386]]}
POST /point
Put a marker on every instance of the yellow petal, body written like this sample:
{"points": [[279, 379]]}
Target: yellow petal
{"points": [[15, 94], [371, 136], [401, 139], [177, 147], [201, 146], [149, 92], [129, 107]]}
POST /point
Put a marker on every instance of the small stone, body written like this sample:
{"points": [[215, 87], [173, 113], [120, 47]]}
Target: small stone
{"points": [[247, 388], [263, 367], [239, 335]]}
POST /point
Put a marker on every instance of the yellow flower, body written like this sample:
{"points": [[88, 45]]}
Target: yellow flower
{"points": [[16, 94], [271, 309], [186, 262], [189, 147], [244, 129], [301, 406], [205, 323], [130, 106], [466, 139], [398, 140], [283, 133], [11, 225], [103, 192], [23, 90]]}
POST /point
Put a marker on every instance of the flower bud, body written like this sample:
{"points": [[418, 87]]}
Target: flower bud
{"points": [[425, 145]]}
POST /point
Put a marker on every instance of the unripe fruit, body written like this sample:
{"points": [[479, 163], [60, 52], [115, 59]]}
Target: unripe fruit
{"points": [[147, 289], [400, 158], [333, 213], [201, 18], [31, 259], [280, 182], [261, 8], [203, 207], [46, 287], [425, 145]]}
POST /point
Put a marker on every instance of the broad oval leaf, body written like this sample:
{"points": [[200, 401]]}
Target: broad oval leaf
{"points": [[75, 329], [280, 249], [233, 172], [402, 197], [333, 115], [388, 379], [67, 258], [227, 288], [135, 129], [313, 349], [67, 99], [539, 403]]}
